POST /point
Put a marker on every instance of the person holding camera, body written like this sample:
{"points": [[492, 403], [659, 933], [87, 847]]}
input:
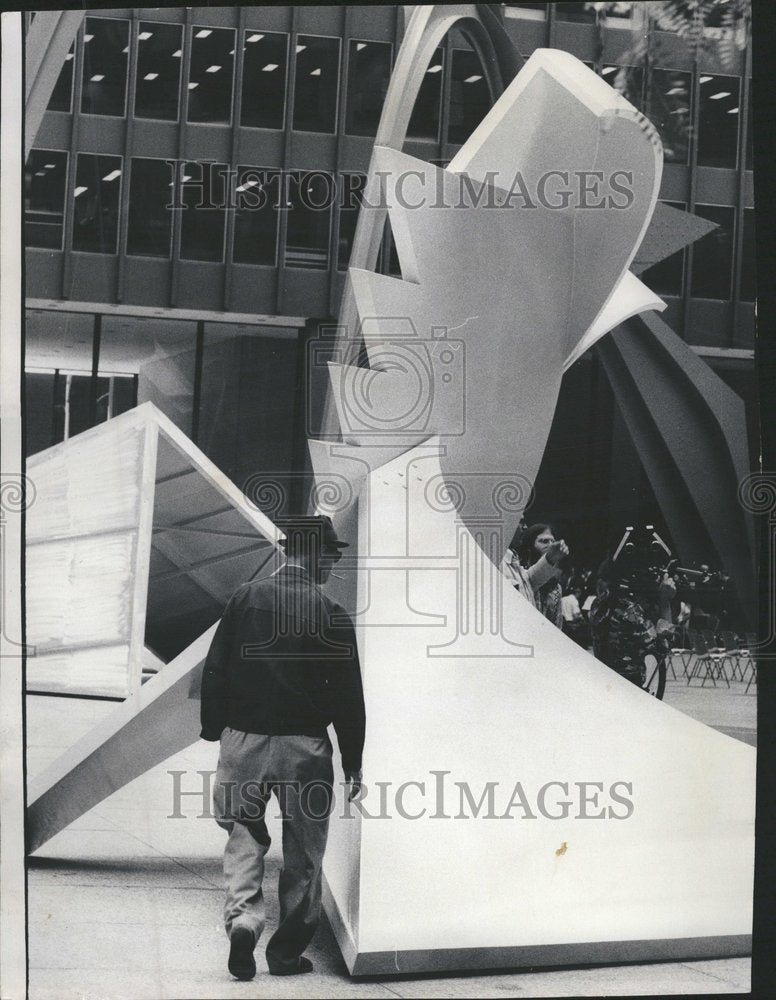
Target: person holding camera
{"points": [[531, 564]]}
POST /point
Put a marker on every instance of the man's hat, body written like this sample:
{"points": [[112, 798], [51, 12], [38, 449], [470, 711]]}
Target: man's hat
{"points": [[300, 530]]}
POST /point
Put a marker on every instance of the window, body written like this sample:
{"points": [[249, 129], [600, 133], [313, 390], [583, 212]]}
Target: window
{"points": [[574, 12], [150, 208], [256, 220], [718, 122], [81, 401], [626, 80], [369, 70], [96, 203], [748, 258], [469, 96], [309, 219], [158, 78], [316, 84], [210, 75], [713, 255], [350, 200], [535, 11], [203, 219], [667, 276], [106, 48], [669, 111], [62, 95], [45, 176], [424, 123], [265, 68]]}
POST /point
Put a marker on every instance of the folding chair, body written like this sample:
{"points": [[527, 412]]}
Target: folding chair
{"points": [[684, 655], [746, 651], [718, 654], [705, 660], [732, 649]]}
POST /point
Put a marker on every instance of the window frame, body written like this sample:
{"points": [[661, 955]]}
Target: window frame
{"points": [[239, 263], [444, 71], [680, 295], [648, 112], [121, 179], [67, 152], [347, 173], [70, 110], [128, 22], [346, 102], [143, 118], [145, 256], [288, 172], [225, 180], [284, 117], [210, 27], [737, 142], [731, 276], [338, 39]]}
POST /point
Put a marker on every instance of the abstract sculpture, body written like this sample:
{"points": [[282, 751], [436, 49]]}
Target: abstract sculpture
{"points": [[519, 791], [465, 683]]}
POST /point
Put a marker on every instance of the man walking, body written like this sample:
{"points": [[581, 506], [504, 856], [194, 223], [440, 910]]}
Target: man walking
{"points": [[283, 665]]}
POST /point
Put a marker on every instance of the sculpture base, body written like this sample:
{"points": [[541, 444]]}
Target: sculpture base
{"points": [[421, 960]]}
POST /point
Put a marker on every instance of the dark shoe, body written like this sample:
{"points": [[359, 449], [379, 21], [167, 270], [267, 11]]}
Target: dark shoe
{"points": [[242, 964], [305, 965]]}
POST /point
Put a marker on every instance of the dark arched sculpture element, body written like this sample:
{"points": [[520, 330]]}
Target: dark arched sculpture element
{"points": [[689, 430]]}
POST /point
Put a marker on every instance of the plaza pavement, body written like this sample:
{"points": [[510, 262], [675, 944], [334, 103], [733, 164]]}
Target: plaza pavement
{"points": [[125, 904]]}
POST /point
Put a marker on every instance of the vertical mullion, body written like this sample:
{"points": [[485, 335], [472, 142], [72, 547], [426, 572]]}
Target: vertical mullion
{"points": [[177, 218], [342, 96], [288, 133], [55, 387], [743, 137], [75, 129], [129, 130], [93, 384], [444, 98], [551, 25], [235, 155]]}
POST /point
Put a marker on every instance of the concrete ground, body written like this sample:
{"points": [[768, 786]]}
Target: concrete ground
{"points": [[126, 903]]}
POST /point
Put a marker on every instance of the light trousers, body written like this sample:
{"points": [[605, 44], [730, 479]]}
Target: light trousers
{"points": [[298, 770]]}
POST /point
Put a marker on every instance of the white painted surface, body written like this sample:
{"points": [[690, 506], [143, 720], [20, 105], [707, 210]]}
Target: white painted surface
{"points": [[679, 866]]}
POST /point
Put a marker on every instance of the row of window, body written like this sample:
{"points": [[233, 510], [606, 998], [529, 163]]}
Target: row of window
{"points": [[585, 13], [202, 195], [713, 256], [668, 105], [264, 88]]}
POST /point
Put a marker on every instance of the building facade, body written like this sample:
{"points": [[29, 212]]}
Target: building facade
{"points": [[191, 201]]}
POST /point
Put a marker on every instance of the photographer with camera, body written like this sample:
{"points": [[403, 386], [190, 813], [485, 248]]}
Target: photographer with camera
{"points": [[531, 564]]}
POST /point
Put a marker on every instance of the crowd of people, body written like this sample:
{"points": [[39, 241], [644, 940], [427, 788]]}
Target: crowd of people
{"points": [[605, 610]]}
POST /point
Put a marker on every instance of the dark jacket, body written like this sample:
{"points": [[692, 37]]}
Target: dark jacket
{"points": [[284, 661]]}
